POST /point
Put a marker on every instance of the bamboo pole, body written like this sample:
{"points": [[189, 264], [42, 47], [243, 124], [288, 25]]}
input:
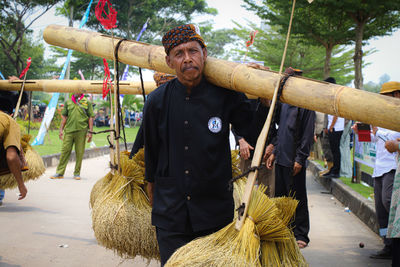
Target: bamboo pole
{"points": [[262, 138], [306, 93], [75, 86]]}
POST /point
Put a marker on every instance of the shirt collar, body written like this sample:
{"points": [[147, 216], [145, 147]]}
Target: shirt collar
{"points": [[197, 90]]}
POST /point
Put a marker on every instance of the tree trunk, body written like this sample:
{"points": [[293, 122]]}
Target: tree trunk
{"points": [[328, 56], [358, 55]]}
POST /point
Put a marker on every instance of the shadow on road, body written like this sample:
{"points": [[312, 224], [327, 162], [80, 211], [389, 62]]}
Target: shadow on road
{"points": [[14, 207], [3, 264], [91, 241]]}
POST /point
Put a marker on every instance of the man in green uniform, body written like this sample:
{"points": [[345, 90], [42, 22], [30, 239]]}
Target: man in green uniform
{"points": [[77, 118]]}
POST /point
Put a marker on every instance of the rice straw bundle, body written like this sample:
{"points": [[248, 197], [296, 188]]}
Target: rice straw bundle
{"points": [[235, 163], [286, 253], [98, 187], [122, 214], [35, 166], [229, 247]]}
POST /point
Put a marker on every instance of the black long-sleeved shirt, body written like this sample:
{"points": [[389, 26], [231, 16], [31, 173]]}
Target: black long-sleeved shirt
{"points": [[286, 151], [187, 153], [259, 114]]}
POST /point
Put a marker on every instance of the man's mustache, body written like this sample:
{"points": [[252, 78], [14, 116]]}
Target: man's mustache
{"points": [[185, 68]]}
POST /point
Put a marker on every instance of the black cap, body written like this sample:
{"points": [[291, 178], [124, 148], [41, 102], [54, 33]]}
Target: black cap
{"points": [[330, 80]]}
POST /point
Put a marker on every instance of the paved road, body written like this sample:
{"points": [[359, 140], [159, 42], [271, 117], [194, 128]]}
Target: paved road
{"points": [[56, 212]]}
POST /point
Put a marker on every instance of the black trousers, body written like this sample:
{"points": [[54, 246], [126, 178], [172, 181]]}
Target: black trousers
{"points": [[287, 185], [169, 241], [396, 252], [383, 187], [334, 142]]}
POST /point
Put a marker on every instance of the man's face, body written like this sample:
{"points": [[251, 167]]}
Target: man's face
{"points": [[188, 60]]}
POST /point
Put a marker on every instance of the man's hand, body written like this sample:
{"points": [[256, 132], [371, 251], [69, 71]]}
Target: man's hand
{"points": [[374, 129], [315, 138], [296, 168], [22, 191], [392, 145], [244, 149], [12, 78], [268, 151], [60, 135], [355, 128], [150, 191], [270, 162], [89, 135]]}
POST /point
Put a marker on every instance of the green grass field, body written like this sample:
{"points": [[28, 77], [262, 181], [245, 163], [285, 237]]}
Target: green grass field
{"points": [[364, 190], [52, 144]]}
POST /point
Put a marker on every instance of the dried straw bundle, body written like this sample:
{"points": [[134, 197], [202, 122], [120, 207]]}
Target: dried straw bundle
{"points": [[102, 183], [122, 214], [98, 187], [35, 165], [229, 247], [286, 253], [235, 163]]}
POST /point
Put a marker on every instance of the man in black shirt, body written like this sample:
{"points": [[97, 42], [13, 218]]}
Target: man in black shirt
{"points": [[186, 140], [247, 144], [160, 78], [292, 148]]}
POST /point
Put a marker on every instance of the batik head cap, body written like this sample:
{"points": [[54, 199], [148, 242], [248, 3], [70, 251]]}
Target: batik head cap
{"points": [[160, 78], [182, 34], [390, 87]]}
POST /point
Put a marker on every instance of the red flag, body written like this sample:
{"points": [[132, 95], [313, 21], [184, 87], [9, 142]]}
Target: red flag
{"points": [[28, 64], [110, 19], [252, 36], [107, 78]]}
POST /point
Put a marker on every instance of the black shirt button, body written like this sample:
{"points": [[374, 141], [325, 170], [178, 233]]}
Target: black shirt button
{"points": [[186, 172], [186, 147], [187, 98], [186, 122], [188, 197]]}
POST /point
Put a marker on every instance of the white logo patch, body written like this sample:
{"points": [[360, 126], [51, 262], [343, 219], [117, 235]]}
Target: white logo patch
{"points": [[215, 124]]}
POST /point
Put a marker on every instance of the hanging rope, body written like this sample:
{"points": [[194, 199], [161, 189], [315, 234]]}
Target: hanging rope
{"points": [[141, 81], [119, 116]]}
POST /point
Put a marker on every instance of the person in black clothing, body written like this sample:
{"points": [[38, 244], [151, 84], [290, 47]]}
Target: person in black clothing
{"points": [[247, 144], [292, 147], [187, 151], [160, 78], [334, 131]]}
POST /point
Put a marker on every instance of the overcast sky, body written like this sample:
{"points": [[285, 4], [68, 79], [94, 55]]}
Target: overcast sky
{"points": [[386, 59]]}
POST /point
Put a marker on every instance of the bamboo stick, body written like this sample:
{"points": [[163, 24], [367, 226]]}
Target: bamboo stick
{"points": [[75, 86], [306, 93], [262, 138]]}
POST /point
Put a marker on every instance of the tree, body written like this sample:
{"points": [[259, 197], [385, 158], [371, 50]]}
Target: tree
{"points": [[372, 19], [132, 14], [13, 15], [40, 67], [316, 23], [268, 47], [375, 88], [217, 40]]}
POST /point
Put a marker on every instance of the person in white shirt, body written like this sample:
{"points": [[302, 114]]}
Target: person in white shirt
{"points": [[383, 175]]}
